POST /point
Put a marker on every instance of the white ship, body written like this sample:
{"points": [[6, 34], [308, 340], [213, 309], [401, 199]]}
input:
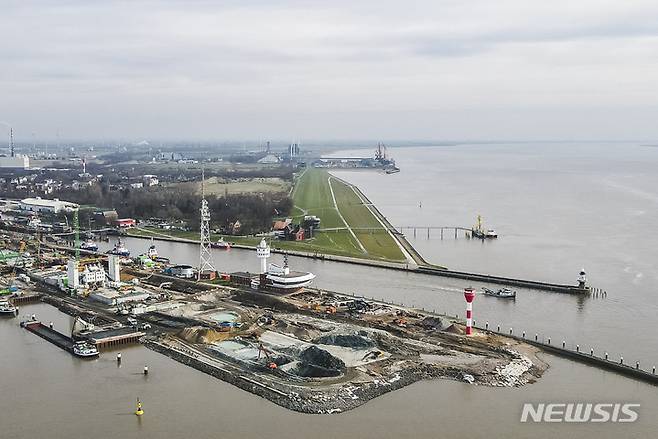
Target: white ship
{"points": [[283, 278], [280, 277]]}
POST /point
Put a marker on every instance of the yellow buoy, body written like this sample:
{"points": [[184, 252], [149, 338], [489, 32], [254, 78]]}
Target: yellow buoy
{"points": [[139, 411]]}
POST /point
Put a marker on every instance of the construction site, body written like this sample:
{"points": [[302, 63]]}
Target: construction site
{"points": [[308, 350], [269, 333], [319, 352]]}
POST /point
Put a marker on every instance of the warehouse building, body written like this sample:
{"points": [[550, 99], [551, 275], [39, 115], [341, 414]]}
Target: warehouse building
{"points": [[53, 206], [18, 162]]}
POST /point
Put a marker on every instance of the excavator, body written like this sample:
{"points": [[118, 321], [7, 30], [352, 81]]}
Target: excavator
{"points": [[271, 365]]}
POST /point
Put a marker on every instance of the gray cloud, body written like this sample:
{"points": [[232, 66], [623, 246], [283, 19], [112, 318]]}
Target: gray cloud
{"points": [[327, 69]]}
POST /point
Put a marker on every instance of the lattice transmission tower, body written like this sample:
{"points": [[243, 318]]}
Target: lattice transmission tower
{"points": [[205, 248]]}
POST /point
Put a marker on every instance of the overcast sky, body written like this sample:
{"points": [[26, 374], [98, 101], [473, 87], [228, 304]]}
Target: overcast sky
{"points": [[366, 69]]}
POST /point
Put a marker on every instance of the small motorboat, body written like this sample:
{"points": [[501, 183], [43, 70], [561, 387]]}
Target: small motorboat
{"points": [[503, 293], [85, 349], [221, 244], [7, 309]]}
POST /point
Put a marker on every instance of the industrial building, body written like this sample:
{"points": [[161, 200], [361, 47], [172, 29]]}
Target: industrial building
{"points": [[39, 204], [113, 298], [17, 162]]}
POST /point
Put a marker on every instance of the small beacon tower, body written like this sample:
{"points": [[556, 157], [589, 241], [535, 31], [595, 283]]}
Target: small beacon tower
{"points": [[263, 252], [582, 279], [469, 295]]}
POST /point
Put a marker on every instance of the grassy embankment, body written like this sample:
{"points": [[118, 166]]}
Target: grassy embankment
{"points": [[312, 196]]}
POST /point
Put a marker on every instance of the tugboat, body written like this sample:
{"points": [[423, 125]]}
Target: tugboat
{"points": [[152, 252], [90, 245], [84, 349], [7, 309], [119, 250], [503, 293]]}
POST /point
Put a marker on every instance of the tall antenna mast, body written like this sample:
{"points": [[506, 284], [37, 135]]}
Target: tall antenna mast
{"points": [[205, 249], [11, 141]]}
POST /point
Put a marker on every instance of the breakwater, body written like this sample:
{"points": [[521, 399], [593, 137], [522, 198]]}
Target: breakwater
{"points": [[423, 269], [620, 366]]}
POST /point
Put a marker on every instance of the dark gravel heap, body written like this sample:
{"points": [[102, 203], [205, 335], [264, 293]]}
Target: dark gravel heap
{"points": [[316, 362], [348, 341]]}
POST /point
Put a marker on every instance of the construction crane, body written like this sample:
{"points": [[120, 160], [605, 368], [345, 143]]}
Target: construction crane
{"points": [[76, 234]]}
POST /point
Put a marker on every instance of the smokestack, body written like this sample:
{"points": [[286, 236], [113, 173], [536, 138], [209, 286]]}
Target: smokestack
{"points": [[11, 141]]}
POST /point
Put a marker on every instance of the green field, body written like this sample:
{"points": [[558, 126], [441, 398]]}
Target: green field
{"points": [[312, 196]]}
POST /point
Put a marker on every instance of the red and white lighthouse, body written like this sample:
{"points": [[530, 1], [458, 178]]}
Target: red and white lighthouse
{"points": [[469, 295]]}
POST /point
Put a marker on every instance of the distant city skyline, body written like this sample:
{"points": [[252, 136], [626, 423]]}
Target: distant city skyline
{"points": [[299, 70]]}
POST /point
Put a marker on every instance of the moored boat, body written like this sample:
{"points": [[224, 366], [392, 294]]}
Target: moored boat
{"points": [[480, 232], [90, 245], [152, 252], [7, 309], [119, 249], [85, 349]]}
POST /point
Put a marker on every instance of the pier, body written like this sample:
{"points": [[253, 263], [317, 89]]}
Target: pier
{"points": [[26, 298], [102, 339], [456, 230], [115, 337]]}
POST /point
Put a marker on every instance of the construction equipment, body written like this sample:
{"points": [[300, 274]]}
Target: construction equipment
{"points": [[269, 363]]}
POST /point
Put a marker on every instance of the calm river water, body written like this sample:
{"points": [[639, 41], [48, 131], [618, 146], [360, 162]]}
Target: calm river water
{"points": [[556, 207]]}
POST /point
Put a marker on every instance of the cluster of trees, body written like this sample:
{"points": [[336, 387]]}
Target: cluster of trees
{"points": [[255, 212], [193, 172]]}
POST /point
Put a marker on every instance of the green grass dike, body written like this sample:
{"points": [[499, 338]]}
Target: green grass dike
{"points": [[348, 226]]}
